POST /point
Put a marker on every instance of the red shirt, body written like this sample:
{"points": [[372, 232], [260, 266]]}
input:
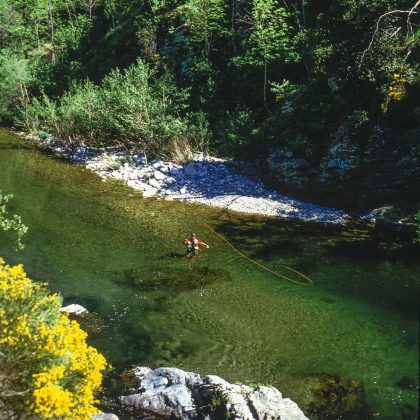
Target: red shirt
{"points": [[196, 241]]}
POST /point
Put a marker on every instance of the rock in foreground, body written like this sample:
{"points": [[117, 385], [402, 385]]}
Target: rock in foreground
{"points": [[74, 309], [174, 393]]}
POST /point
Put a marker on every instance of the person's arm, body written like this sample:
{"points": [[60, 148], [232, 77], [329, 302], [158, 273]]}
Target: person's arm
{"points": [[201, 243]]}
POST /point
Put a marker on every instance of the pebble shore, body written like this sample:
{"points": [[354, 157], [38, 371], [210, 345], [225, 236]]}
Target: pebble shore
{"points": [[205, 180]]}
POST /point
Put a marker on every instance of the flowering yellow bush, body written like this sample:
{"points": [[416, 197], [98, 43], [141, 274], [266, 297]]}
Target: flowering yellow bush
{"points": [[396, 90], [47, 370]]}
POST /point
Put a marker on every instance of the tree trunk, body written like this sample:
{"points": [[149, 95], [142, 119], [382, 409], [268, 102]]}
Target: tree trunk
{"points": [[265, 83], [233, 25], [51, 23]]}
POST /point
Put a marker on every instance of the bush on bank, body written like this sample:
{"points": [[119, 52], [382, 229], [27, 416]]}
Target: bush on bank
{"points": [[134, 107], [47, 370]]}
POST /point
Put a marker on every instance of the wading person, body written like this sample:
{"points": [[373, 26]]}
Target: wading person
{"points": [[192, 244]]}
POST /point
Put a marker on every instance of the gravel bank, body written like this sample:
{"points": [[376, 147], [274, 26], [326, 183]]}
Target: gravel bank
{"points": [[205, 180]]}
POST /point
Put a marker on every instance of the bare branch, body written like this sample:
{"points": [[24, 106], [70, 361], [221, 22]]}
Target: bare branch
{"points": [[409, 27], [15, 394], [396, 31], [378, 22]]}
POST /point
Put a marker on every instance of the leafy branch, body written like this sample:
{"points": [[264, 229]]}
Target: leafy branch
{"points": [[11, 223]]}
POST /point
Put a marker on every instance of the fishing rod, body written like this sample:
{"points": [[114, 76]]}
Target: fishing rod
{"points": [[308, 283]]}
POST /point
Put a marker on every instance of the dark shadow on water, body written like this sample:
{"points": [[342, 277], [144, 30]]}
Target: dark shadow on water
{"points": [[328, 300], [173, 255], [367, 263], [171, 280], [277, 248]]}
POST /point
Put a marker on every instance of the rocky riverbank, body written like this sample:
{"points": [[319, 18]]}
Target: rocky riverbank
{"points": [[176, 394], [230, 185]]}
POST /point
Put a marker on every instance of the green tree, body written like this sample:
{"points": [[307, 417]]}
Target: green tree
{"points": [[269, 38], [14, 81]]}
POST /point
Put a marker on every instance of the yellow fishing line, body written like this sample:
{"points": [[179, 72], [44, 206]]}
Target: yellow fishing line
{"points": [[263, 266]]}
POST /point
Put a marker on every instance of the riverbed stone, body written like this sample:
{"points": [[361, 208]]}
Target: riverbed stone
{"points": [[154, 183], [164, 168], [176, 394], [190, 169], [74, 309], [158, 175], [148, 192], [170, 180], [334, 397], [139, 160], [175, 171], [104, 416]]}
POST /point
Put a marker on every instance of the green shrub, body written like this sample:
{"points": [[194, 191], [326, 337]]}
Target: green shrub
{"points": [[14, 78], [134, 107], [235, 131]]}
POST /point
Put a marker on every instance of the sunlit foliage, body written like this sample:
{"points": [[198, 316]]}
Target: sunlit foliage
{"points": [[11, 223], [46, 367]]}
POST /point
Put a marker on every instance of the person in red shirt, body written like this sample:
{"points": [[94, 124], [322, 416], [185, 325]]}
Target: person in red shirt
{"points": [[192, 244]]}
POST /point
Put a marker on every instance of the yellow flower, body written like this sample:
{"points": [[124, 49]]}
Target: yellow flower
{"points": [[61, 369]]}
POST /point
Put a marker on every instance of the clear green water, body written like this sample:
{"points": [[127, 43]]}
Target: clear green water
{"points": [[104, 247]]}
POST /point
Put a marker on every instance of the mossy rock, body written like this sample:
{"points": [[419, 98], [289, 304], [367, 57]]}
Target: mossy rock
{"points": [[334, 397], [172, 280]]}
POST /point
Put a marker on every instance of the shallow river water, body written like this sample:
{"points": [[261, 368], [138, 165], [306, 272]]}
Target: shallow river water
{"points": [[103, 246]]}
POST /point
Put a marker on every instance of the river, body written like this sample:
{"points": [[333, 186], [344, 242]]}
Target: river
{"points": [[103, 246]]}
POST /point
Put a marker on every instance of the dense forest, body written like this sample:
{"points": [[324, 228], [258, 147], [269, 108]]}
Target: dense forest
{"points": [[320, 93]]}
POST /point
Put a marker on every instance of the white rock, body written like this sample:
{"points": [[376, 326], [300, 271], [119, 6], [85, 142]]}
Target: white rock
{"points": [[74, 309], [149, 192], [159, 176], [173, 393], [133, 183], [170, 180], [175, 172], [153, 183], [144, 173], [104, 416], [140, 160]]}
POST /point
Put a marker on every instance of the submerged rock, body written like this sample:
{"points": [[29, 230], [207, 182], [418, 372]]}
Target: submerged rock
{"points": [[335, 397], [176, 394], [406, 383], [172, 280]]}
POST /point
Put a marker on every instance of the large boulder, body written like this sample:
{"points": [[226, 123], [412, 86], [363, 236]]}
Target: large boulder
{"points": [[289, 170], [176, 394], [341, 159]]}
